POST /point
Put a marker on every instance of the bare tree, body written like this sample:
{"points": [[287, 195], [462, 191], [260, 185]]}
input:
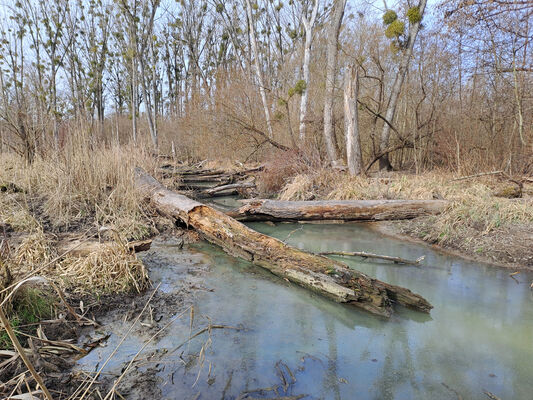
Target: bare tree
{"points": [[351, 121], [331, 72], [415, 20], [258, 70], [308, 26], [140, 19]]}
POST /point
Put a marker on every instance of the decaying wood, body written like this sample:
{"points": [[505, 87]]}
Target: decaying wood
{"points": [[78, 248], [347, 210], [363, 254], [210, 182], [328, 277], [226, 190]]}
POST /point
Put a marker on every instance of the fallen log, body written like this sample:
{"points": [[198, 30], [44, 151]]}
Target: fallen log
{"points": [[328, 277], [347, 210], [226, 190]]}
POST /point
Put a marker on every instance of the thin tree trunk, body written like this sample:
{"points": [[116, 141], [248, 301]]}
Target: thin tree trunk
{"points": [[331, 73], [384, 162], [308, 25], [148, 104], [259, 74], [351, 121], [134, 98]]}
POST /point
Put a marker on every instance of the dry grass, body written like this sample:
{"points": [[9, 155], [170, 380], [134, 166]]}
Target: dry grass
{"points": [[473, 211], [77, 190], [111, 269], [78, 187]]}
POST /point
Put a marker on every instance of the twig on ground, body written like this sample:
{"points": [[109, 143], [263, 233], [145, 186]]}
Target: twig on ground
{"points": [[462, 178], [93, 380], [491, 396], [203, 330], [22, 353]]}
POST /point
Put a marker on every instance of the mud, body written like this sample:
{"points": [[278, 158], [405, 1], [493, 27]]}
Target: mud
{"points": [[508, 247]]}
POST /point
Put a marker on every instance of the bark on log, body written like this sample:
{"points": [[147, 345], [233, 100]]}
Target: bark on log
{"points": [[328, 277], [347, 210]]}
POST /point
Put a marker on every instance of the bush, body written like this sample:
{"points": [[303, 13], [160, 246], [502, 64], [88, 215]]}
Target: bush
{"points": [[414, 16], [395, 29]]}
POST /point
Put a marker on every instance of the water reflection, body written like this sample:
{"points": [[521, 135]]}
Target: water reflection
{"points": [[478, 337]]}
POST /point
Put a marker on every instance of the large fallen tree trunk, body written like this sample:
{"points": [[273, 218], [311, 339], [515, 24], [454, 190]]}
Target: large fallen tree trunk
{"points": [[328, 277], [347, 210]]}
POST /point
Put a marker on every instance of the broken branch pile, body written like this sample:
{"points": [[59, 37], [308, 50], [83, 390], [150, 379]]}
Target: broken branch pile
{"points": [[211, 182]]}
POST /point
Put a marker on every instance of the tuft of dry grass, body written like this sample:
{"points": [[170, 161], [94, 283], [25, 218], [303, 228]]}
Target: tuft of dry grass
{"points": [[111, 269], [34, 250]]}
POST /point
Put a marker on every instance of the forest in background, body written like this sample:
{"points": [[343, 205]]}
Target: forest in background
{"points": [[413, 87]]}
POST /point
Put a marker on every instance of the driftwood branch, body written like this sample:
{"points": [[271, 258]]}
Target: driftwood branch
{"points": [[363, 254], [462, 178], [225, 190], [330, 278]]}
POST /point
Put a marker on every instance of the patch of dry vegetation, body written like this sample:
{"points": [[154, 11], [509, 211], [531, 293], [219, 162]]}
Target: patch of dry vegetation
{"points": [[78, 190], [78, 187]]}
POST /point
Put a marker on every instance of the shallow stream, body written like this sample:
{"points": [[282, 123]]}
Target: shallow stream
{"points": [[479, 336]]}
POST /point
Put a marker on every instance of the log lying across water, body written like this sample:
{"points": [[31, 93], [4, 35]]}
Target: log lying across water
{"points": [[328, 277], [347, 210]]}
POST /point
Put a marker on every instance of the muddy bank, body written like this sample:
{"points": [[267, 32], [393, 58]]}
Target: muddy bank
{"points": [[509, 247]]}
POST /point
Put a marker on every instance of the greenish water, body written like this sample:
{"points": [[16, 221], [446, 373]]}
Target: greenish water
{"points": [[479, 336]]}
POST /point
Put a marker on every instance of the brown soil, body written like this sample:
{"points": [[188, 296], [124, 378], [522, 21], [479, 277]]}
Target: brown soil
{"points": [[508, 247]]}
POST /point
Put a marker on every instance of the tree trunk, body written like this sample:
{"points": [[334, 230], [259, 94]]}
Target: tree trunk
{"points": [[307, 59], [331, 73], [351, 122], [384, 162], [258, 72], [345, 210], [134, 87], [328, 277], [150, 112]]}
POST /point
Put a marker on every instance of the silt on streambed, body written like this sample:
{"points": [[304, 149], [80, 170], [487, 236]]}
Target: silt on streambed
{"points": [[290, 342]]}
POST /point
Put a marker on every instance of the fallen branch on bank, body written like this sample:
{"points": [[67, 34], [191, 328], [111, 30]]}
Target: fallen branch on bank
{"points": [[363, 254], [78, 248], [346, 210], [462, 178], [326, 276]]}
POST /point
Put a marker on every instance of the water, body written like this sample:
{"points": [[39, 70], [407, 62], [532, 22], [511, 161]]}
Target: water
{"points": [[479, 336]]}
